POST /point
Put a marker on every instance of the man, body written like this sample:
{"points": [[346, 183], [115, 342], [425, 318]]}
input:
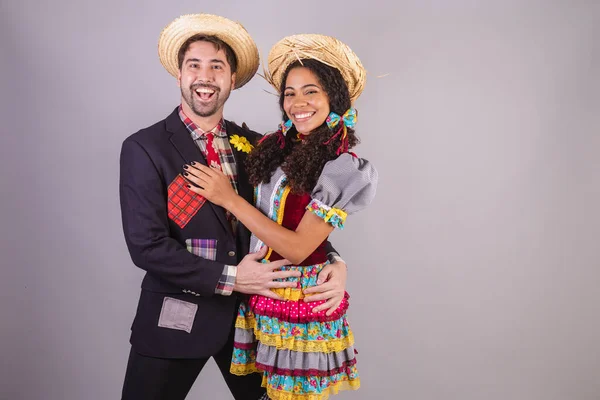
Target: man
{"points": [[192, 250]]}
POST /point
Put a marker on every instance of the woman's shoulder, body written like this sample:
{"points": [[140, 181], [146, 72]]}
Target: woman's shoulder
{"points": [[348, 183], [348, 166]]}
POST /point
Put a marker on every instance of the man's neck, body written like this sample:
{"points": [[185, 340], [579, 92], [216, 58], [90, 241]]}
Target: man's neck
{"points": [[204, 123]]}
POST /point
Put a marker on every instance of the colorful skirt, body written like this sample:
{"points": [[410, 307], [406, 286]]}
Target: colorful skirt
{"points": [[302, 355]]}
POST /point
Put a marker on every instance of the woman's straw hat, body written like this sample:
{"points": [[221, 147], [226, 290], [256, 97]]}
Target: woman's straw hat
{"points": [[325, 49], [233, 33]]}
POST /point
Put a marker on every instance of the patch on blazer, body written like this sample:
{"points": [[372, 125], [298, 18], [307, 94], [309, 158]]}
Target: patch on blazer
{"points": [[205, 248], [182, 203], [177, 314]]}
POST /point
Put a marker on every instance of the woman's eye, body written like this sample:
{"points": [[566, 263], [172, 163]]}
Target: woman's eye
{"points": [[311, 92], [289, 94]]}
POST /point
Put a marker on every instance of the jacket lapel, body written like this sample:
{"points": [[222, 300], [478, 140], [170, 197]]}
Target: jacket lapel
{"points": [[189, 151], [245, 189]]}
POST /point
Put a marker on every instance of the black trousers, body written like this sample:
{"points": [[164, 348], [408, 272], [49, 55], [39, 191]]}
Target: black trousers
{"points": [[149, 378]]}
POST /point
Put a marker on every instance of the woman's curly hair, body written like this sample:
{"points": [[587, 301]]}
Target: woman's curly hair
{"points": [[303, 163]]}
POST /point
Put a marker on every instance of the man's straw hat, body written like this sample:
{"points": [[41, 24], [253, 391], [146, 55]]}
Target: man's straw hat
{"points": [[233, 33]]}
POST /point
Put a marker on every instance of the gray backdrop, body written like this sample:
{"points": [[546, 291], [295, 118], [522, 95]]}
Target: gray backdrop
{"points": [[474, 275]]}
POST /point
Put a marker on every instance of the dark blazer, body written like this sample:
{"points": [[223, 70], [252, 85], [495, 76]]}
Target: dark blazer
{"points": [[150, 160]]}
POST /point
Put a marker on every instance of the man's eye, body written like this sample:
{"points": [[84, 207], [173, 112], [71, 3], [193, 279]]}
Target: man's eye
{"points": [[217, 67]]}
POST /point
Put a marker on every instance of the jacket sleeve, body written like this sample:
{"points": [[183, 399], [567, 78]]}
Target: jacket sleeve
{"points": [[145, 224], [331, 251]]}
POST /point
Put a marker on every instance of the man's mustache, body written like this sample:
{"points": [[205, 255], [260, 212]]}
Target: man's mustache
{"points": [[204, 85]]}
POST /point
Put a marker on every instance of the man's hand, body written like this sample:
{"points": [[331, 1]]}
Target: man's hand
{"points": [[331, 286], [254, 277]]}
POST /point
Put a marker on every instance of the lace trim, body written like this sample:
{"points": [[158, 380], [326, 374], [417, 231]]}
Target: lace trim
{"points": [[334, 388], [306, 372], [243, 369], [250, 368], [279, 209], [335, 216], [274, 340], [292, 294]]}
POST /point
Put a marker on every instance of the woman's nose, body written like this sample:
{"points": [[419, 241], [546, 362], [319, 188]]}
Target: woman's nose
{"points": [[300, 101]]}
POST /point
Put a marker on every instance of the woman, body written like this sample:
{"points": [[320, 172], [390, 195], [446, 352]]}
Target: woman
{"points": [[306, 182]]}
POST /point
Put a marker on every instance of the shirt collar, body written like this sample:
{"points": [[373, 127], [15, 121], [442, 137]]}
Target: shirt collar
{"points": [[196, 132]]}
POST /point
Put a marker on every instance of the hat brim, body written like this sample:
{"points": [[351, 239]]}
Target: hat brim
{"points": [[233, 33], [326, 49]]}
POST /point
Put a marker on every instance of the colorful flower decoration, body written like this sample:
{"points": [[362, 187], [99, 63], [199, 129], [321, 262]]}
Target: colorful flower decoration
{"points": [[241, 143]]}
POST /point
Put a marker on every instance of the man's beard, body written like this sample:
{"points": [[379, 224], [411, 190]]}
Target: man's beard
{"points": [[200, 107]]}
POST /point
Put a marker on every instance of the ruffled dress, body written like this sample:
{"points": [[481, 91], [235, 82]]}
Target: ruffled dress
{"points": [[303, 355]]}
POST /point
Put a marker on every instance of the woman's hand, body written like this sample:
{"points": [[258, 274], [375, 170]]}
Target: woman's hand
{"points": [[331, 286], [210, 183]]}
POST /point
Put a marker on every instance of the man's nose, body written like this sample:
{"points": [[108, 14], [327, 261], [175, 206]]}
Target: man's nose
{"points": [[205, 75]]}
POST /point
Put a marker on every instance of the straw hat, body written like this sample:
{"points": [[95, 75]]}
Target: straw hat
{"points": [[233, 33], [325, 49]]}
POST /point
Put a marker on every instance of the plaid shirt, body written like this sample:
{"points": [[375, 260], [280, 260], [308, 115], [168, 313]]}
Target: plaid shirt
{"points": [[221, 143], [229, 168]]}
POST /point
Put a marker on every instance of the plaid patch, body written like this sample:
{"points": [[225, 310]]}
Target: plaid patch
{"points": [[205, 248], [183, 204], [227, 281]]}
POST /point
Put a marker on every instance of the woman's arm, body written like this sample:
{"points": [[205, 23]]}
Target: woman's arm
{"points": [[295, 246]]}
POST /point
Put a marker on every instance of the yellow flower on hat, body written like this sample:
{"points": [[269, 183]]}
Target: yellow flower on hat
{"points": [[241, 143]]}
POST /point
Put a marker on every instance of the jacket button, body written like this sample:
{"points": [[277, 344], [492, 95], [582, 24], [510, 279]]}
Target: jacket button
{"points": [[231, 253]]}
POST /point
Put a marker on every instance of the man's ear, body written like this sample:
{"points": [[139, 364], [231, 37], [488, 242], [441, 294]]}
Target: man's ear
{"points": [[233, 76], [179, 78]]}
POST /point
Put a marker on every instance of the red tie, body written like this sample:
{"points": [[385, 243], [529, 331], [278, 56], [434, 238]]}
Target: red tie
{"points": [[212, 158]]}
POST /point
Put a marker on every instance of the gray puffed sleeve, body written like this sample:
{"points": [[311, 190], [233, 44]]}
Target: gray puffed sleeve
{"points": [[346, 185]]}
